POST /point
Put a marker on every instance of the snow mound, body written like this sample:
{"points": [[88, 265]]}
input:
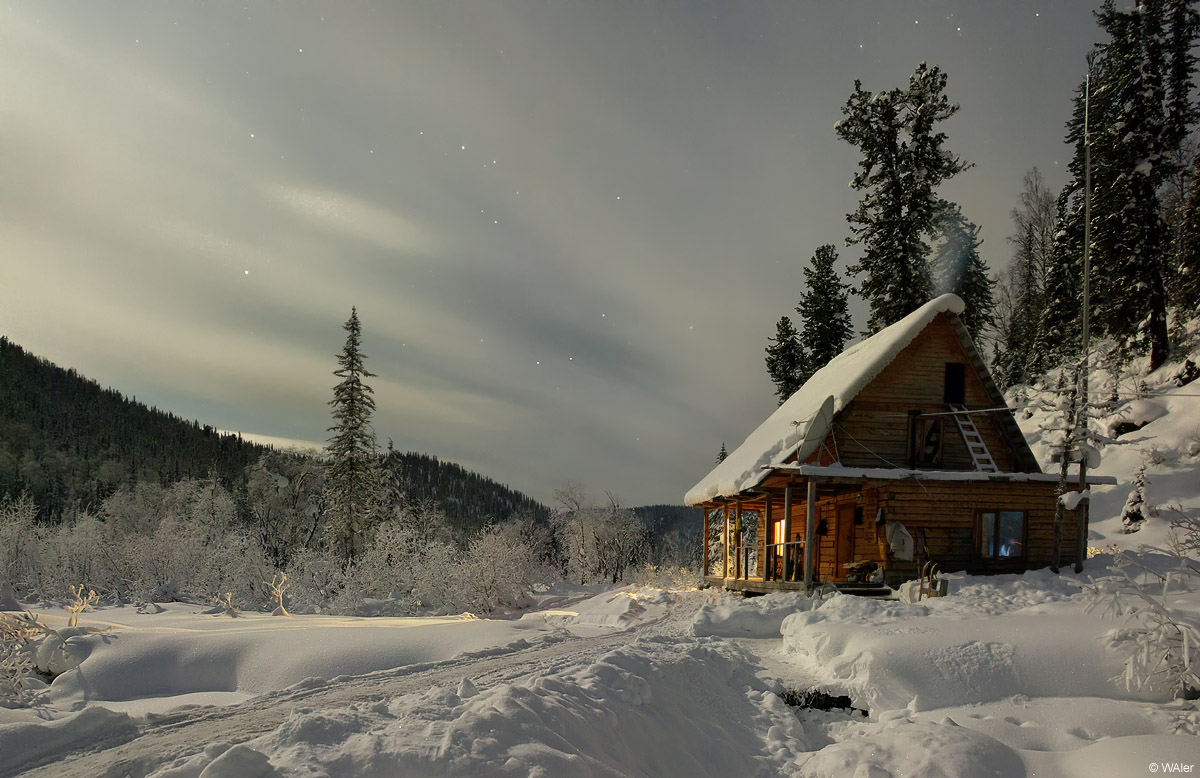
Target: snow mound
{"points": [[620, 608], [152, 662], [24, 744], [938, 654], [1135, 415], [632, 712], [916, 749], [758, 617]]}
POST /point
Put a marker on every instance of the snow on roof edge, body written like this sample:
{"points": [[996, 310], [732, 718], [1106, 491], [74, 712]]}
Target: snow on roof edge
{"points": [[842, 378]]}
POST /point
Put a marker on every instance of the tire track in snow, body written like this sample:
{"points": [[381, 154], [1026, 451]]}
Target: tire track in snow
{"points": [[164, 738]]}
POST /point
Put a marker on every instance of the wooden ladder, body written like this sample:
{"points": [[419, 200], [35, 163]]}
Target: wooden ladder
{"points": [[975, 445]]}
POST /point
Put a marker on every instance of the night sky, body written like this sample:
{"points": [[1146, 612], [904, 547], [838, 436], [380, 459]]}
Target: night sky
{"points": [[569, 228]]}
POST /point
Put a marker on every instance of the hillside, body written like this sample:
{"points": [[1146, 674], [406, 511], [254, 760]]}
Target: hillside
{"points": [[71, 443], [469, 500]]}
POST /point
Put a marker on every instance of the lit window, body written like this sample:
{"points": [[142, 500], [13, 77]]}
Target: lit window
{"points": [[1001, 534]]}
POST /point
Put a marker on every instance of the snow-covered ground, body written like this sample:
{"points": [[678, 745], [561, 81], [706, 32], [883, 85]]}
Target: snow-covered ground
{"points": [[1009, 676]]}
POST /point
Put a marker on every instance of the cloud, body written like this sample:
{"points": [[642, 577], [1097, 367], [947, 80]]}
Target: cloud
{"points": [[348, 215]]}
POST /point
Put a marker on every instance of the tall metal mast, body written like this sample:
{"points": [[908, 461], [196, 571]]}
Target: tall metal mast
{"points": [[1081, 421]]}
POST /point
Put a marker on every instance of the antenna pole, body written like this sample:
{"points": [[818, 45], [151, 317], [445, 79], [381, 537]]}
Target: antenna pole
{"points": [[1081, 425]]}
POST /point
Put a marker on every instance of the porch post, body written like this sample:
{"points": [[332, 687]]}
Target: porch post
{"points": [[705, 541], [739, 571], [768, 529], [787, 531], [810, 533], [727, 550]]}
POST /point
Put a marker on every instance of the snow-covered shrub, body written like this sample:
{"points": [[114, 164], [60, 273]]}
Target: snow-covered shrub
{"points": [[1159, 455], [19, 633], [88, 551], [668, 577], [79, 603], [18, 546], [278, 586], [497, 571], [135, 509], [601, 543], [1141, 589], [1191, 444], [317, 579]]}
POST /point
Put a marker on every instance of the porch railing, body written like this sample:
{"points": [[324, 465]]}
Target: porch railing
{"points": [[744, 561]]}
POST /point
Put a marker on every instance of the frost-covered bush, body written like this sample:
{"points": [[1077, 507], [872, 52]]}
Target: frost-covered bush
{"points": [[19, 633], [1163, 639], [18, 543], [498, 570], [668, 577], [317, 579]]}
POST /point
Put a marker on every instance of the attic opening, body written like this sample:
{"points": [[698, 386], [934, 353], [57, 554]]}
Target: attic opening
{"points": [[955, 387]]}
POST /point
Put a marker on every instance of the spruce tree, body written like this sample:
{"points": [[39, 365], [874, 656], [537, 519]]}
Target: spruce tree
{"points": [[1187, 270], [824, 313], [722, 455], [353, 475], [785, 359], [1059, 332], [903, 163], [1129, 160], [1022, 288], [958, 268]]}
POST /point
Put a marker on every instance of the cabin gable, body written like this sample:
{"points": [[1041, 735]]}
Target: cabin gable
{"points": [[877, 427]]}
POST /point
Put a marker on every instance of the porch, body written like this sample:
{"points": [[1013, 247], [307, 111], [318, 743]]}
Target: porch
{"points": [[805, 525]]}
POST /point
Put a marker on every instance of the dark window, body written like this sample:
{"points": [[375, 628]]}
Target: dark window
{"points": [[956, 383], [1001, 534]]}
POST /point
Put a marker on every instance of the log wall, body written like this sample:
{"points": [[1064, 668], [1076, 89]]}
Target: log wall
{"points": [[946, 511], [872, 431]]}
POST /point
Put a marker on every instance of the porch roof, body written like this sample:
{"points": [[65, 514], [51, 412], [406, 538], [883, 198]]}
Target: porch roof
{"points": [[837, 472]]}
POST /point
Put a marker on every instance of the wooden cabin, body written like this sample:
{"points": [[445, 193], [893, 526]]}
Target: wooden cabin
{"points": [[899, 452]]}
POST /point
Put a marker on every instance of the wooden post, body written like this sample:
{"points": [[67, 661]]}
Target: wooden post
{"points": [[741, 534], [705, 541], [725, 574], [810, 533], [765, 560], [787, 531]]}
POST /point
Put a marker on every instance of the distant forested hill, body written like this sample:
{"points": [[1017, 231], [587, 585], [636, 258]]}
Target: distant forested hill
{"points": [[69, 442], [469, 500]]}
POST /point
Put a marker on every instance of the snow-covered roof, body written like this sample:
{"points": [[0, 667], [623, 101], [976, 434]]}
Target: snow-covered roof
{"points": [[842, 378]]}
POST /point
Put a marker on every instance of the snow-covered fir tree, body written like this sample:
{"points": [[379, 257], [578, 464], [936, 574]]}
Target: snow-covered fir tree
{"points": [[1134, 513], [1139, 113], [1057, 337], [722, 455], [785, 359], [824, 312], [1187, 270], [353, 474], [1128, 231], [958, 268], [903, 163], [1022, 287]]}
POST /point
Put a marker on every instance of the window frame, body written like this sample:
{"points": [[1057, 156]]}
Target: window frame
{"points": [[979, 535]]}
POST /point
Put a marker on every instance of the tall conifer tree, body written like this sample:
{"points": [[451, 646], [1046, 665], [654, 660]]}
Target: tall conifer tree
{"points": [[785, 359], [824, 312], [958, 268], [353, 476], [903, 163]]}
